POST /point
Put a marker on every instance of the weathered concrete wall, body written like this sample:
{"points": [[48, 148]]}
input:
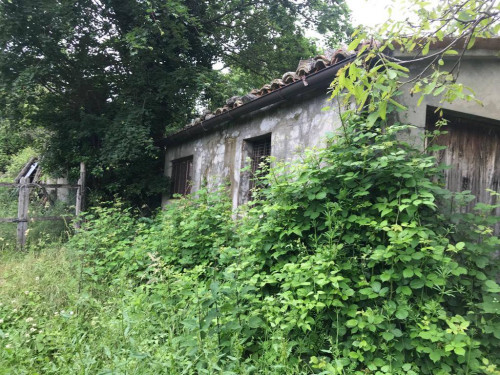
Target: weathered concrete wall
{"points": [[481, 73], [218, 157]]}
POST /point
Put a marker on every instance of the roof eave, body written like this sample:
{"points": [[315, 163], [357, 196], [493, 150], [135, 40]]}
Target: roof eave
{"points": [[313, 81]]}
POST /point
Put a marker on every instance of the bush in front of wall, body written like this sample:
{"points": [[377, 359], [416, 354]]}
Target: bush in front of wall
{"points": [[350, 262], [356, 250]]}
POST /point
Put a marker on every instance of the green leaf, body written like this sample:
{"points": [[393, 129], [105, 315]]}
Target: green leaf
{"points": [[406, 290], [398, 105], [382, 109], [407, 273], [492, 286], [351, 323], [425, 50], [402, 314], [435, 356], [352, 46], [255, 322], [417, 284], [388, 336], [321, 195], [376, 286]]}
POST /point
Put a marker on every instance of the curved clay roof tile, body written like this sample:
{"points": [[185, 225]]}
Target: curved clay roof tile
{"points": [[340, 55], [276, 84], [231, 100], [305, 66], [248, 98], [265, 89], [290, 77], [321, 62], [370, 43], [238, 103]]}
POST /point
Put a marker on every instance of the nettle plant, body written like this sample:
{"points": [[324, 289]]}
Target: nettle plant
{"points": [[353, 250], [356, 255]]}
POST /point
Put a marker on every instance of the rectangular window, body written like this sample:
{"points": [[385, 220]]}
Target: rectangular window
{"points": [[255, 152], [260, 150], [182, 175]]}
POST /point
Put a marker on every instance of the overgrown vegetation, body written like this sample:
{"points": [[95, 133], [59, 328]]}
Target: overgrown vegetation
{"points": [[352, 261], [349, 264], [42, 203], [106, 80]]}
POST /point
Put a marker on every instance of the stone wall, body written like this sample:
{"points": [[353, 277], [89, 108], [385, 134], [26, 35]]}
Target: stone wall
{"points": [[219, 156]]}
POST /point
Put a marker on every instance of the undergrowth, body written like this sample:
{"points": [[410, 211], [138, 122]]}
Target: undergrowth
{"points": [[350, 262]]}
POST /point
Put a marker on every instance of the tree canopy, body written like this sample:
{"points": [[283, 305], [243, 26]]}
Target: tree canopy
{"points": [[105, 79]]}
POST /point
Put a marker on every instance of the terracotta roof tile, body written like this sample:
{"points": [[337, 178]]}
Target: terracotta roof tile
{"points": [[310, 66], [304, 68]]}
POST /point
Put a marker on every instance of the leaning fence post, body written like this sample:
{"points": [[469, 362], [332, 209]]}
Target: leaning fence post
{"points": [[80, 195], [22, 212]]}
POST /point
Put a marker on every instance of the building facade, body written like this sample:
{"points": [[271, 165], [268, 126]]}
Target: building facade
{"points": [[295, 112]]}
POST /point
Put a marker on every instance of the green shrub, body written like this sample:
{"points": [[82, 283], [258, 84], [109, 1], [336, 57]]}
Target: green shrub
{"points": [[353, 249], [351, 262]]}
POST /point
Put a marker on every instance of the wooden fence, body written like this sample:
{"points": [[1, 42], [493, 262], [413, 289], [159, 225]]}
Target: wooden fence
{"points": [[25, 187]]}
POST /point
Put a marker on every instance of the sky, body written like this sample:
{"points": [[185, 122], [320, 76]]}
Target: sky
{"points": [[373, 12], [369, 12]]}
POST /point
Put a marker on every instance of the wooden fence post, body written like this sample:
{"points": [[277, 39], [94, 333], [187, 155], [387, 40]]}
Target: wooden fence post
{"points": [[80, 195], [22, 212]]}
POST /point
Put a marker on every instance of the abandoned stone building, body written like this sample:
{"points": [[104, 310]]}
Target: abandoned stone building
{"points": [[286, 116]]}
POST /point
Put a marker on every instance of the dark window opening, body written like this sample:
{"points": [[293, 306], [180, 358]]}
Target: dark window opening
{"points": [[259, 151], [182, 176]]}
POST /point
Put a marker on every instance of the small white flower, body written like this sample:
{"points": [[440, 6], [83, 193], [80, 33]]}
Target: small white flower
{"points": [[71, 313], [26, 292], [27, 335], [30, 319], [14, 310], [8, 346], [56, 313], [1, 321], [32, 329], [6, 334], [37, 278]]}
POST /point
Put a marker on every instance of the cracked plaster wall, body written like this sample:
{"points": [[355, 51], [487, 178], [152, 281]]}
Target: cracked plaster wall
{"points": [[481, 73], [300, 123], [218, 156]]}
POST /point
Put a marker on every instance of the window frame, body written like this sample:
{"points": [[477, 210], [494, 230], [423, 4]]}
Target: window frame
{"points": [[181, 176], [255, 151]]}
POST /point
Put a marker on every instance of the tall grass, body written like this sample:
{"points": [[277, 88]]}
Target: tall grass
{"points": [[346, 266]]}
